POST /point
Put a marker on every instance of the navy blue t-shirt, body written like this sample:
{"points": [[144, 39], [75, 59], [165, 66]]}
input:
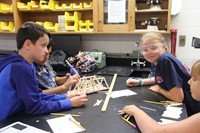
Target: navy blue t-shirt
{"points": [[171, 72]]}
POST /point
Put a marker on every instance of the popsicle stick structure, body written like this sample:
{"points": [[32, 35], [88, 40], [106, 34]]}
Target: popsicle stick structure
{"points": [[90, 84]]}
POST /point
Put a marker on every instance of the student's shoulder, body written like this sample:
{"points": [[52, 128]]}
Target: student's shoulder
{"points": [[167, 57], [21, 66]]}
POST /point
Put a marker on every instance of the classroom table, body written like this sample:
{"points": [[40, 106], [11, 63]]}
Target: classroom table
{"points": [[96, 121]]}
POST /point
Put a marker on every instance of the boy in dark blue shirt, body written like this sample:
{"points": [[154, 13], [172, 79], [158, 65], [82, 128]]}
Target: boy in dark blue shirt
{"points": [[19, 86]]}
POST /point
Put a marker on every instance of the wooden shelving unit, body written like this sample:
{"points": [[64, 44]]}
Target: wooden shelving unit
{"points": [[136, 19]]}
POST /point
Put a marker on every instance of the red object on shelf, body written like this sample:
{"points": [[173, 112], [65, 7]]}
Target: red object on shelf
{"points": [[173, 41]]}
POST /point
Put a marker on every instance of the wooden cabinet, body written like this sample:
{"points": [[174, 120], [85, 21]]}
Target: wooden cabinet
{"points": [[6, 16], [59, 16], [90, 16], [109, 12], [140, 16], [153, 16]]}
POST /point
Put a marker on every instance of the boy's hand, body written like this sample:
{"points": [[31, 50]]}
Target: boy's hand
{"points": [[74, 94], [78, 101], [71, 81]]}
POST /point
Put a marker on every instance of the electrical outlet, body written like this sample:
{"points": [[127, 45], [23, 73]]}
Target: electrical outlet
{"points": [[182, 40], [196, 42]]}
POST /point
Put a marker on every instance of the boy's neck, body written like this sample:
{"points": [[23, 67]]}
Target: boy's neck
{"points": [[26, 56]]}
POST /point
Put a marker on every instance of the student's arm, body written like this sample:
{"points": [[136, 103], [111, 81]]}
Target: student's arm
{"points": [[175, 94], [135, 82], [61, 80], [148, 125], [64, 87], [56, 90]]}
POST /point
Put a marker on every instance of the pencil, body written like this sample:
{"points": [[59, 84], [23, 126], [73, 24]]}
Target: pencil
{"points": [[134, 126], [60, 114], [76, 123]]}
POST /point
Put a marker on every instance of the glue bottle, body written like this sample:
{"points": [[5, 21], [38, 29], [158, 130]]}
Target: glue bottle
{"points": [[72, 68]]}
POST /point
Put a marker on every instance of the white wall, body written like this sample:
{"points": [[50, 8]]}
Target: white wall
{"points": [[187, 22], [7, 42]]}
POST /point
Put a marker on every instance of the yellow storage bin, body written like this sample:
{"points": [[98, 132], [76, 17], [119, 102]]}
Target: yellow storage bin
{"points": [[40, 23], [24, 7], [71, 26], [57, 6], [7, 26], [6, 8], [83, 25], [35, 5], [87, 5], [50, 26], [47, 5], [74, 16], [90, 25], [77, 6], [65, 6]]}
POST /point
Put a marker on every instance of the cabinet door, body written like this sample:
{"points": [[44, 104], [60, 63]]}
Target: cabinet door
{"points": [[116, 16]]}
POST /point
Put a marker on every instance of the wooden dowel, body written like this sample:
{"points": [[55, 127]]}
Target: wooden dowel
{"points": [[109, 93]]}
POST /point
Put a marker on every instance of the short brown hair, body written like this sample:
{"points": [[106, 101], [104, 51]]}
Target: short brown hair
{"points": [[196, 70]]}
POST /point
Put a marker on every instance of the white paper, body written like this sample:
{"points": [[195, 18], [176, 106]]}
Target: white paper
{"points": [[63, 125], [116, 11], [166, 121], [121, 93], [19, 127], [172, 112]]}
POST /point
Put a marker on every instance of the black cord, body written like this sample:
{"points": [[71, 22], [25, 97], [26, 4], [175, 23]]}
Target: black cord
{"points": [[93, 51]]}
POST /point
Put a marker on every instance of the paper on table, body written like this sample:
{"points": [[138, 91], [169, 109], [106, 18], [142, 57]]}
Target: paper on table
{"points": [[121, 93], [63, 125], [166, 121], [172, 112]]}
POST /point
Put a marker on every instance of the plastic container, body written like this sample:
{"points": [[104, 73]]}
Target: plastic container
{"points": [[35, 5], [75, 16], [78, 6], [83, 25], [24, 7], [87, 5], [47, 5], [65, 6], [50, 26], [6, 8], [72, 26], [40, 23], [7, 26], [90, 25], [58, 7]]}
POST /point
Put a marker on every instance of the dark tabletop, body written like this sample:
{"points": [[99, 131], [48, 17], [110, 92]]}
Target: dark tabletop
{"points": [[109, 121]]}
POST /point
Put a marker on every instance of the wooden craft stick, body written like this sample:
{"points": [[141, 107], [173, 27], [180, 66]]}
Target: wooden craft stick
{"points": [[128, 117], [60, 114], [120, 112], [109, 93], [76, 123], [154, 102]]}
